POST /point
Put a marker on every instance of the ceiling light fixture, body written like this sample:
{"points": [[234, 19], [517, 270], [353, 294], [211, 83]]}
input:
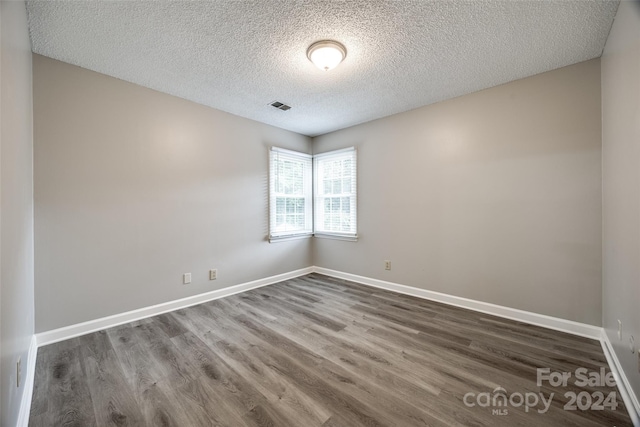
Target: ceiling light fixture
{"points": [[326, 54]]}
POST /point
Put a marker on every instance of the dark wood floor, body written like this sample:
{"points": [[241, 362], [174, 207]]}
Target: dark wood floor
{"points": [[313, 351]]}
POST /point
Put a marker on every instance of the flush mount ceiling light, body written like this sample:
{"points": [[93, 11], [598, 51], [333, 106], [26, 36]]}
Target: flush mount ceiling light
{"points": [[326, 54]]}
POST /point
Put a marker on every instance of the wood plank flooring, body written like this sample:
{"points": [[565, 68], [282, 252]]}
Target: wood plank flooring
{"points": [[316, 351]]}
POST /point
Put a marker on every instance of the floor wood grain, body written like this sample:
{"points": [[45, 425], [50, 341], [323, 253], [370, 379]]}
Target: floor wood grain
{"points": [[317, 351]]}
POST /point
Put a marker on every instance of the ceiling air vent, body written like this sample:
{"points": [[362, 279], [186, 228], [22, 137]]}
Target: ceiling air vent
{"points": [[280, 106]]}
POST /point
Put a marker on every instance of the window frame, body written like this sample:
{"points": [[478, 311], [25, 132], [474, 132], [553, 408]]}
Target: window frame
{"points": [[352, 195], [311, 195], [275, 153]]}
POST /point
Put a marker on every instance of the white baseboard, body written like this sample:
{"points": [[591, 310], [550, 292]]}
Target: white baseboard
{"points": [[563, 325], [628, 396], [61, 334], [545, 321], [555, 323], [27, 393]]}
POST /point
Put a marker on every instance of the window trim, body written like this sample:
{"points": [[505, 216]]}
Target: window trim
{"points": [[352, 237], [329, 234], [308, 196]]}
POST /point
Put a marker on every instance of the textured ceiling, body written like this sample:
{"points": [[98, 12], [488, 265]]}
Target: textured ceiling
{"points": [[238, 56]]}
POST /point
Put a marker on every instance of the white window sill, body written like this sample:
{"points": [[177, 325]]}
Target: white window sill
{"points": [[347, 238], [276, 239]]}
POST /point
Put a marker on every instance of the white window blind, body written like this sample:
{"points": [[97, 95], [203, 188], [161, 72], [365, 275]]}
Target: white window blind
{"points": [[335, 194], [290, 200]]}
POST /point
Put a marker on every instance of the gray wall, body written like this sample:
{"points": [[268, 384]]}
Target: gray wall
{"points": [[493, 196], [621, 185], [16, 205], [133, 188]]}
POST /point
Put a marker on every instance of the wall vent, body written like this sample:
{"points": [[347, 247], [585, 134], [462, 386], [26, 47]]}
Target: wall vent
{"points": [[280, 106]]}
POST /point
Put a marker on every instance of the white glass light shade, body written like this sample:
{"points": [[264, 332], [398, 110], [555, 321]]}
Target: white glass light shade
{"points": [[326, 54]]}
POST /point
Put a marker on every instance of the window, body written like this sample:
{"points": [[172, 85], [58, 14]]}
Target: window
{"points": [[290, 203], [292, 211], [335, 194]]}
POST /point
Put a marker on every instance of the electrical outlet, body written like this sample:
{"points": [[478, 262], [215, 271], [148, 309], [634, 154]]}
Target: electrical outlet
{"points": [[19, 372], [213, 274], [387, 265], [620, 329], [632, 344], [186, 278]]}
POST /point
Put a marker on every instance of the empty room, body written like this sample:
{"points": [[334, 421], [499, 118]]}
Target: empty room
{"points": [[319, 213]]}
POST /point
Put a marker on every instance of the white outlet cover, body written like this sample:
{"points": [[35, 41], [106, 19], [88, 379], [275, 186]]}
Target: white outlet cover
{"points": [[632, 344], [619, 329], [186, 278]]}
